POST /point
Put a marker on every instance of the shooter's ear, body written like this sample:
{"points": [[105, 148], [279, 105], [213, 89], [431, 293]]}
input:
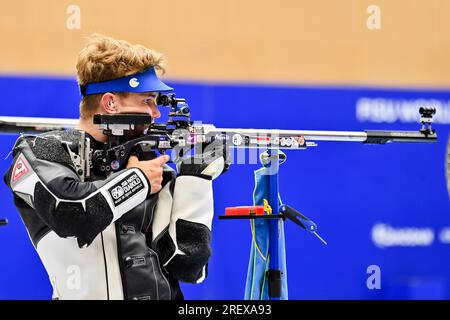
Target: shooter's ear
{"points": [[108, 103]]}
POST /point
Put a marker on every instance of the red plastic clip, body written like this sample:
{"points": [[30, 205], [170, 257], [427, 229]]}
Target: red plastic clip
{"points": [[244, 211]]}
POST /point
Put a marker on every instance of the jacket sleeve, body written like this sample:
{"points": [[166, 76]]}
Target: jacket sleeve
{"points": [[41, 174], [181, 229]]}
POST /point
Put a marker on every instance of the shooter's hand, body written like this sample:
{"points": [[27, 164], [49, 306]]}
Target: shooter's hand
{"points": [[153, 170]]}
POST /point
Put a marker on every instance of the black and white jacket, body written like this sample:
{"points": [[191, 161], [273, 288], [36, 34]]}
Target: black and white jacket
{"points": [[106, 238]]}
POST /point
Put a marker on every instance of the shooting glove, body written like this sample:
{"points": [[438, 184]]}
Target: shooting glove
{"points": [[212, 162]]}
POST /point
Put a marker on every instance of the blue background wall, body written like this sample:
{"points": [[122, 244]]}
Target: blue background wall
{"points": [[346, 188]]}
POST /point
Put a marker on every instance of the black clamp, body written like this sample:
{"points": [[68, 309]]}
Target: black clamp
{"points": [[275, 283]]}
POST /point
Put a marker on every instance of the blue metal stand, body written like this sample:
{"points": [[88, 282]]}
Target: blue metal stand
{"points": [[272, 275], [274, 272]]}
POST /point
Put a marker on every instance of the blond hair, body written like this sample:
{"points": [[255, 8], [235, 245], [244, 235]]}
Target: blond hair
{"points": [[104, 58]]}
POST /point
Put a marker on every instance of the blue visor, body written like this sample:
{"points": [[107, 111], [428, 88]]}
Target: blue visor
{"points": [[146, 81]]}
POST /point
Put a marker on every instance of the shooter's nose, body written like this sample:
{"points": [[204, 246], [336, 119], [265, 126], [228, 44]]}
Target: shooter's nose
{"points": [[154, 112]]}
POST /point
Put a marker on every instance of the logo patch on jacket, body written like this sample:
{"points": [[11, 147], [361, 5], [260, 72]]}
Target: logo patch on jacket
{"points": [[126, 188], [20, 168]]}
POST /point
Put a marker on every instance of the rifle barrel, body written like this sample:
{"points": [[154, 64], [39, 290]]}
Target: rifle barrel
{"points": [[14, 125], [367, 136]]}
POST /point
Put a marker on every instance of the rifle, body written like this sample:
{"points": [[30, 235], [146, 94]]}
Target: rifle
{"points": [[180, 133]]}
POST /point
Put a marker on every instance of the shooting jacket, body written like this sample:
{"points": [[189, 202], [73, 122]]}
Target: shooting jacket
{"points": [[106, 237]]}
